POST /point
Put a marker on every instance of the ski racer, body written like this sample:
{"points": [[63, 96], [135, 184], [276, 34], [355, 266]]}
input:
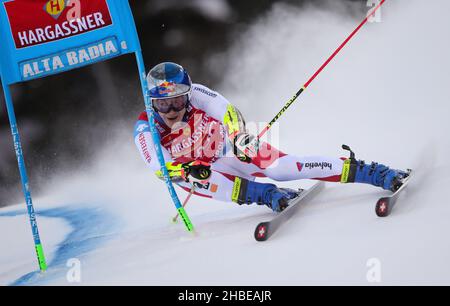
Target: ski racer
{"points": [[206, 145]]}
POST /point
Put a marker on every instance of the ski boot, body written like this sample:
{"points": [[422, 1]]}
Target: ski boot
{"points": [[247, 192], [357, 171]]}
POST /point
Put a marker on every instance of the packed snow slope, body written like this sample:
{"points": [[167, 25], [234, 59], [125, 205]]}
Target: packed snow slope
{"points": [[386, 95]]}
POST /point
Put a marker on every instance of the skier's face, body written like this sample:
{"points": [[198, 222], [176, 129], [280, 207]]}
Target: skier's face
{"points": [[172, 117], [172, 110]]}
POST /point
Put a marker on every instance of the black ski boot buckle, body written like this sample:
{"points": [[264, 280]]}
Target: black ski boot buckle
{"points": [[349, 169]]}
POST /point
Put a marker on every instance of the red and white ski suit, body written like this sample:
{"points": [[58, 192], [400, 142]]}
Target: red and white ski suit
{"points": [[203, 136]]}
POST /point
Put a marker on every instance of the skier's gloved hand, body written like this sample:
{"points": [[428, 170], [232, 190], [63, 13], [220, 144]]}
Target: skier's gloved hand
{"points": [[245, 147], [195, 171], [233, 121], [174, 169]]}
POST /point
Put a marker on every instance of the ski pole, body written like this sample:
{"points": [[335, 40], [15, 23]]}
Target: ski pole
{"points": [[191, 192], [157, 142], [292, 100]]}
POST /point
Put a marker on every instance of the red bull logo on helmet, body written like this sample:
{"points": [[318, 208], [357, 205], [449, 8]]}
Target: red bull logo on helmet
{"points": [[166, 88]]}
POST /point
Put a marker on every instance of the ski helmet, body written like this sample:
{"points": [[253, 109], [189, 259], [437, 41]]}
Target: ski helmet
{"points": [[168, 80]]}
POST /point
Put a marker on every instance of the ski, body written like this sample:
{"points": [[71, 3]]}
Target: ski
{"points": [[265, 230], [385, 204]]}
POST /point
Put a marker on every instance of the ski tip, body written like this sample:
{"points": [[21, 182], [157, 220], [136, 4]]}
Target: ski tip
{"points": [[262, 231], [382, 207]]}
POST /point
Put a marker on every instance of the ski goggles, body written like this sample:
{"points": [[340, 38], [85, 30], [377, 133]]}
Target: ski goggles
{"points": [[165, 105]]}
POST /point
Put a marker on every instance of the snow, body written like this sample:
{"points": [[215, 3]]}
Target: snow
{"points": [[385, 95], [17, 242]]}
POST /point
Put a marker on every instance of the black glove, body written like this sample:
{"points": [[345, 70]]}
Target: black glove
{"points": [[245, 147], [196, 171]]}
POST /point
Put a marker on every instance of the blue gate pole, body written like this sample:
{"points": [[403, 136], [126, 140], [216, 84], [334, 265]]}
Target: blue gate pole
{"points": [[157, 142], [24, 178]]}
